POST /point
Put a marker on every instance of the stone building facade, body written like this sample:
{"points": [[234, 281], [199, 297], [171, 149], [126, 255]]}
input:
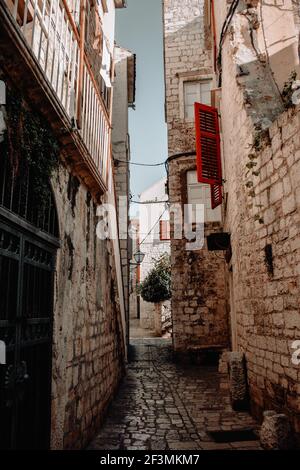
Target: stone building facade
{"points": [[251, 54], [198, 304], [70, 289], [260, 133], [199, 311], [123, 98], [153, 215], [135, 275]]}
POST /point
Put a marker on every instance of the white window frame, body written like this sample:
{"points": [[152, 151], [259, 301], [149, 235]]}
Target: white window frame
{"points": [[210, 215], [191, 77]]}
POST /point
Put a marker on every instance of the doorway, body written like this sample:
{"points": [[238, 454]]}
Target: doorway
{"points": [[28, 244]]}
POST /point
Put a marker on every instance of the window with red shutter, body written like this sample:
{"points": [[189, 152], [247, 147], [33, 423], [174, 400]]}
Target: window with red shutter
{"points": [[164, 230], [208, 144], [208, 148], [216, 195]]}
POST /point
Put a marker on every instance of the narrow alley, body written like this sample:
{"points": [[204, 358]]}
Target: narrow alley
{"points": [[166, 406], [149, 227]]}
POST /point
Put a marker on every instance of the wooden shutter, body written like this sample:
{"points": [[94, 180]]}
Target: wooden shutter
{"points": [[164, 230], [208, 147], [216, 195]]}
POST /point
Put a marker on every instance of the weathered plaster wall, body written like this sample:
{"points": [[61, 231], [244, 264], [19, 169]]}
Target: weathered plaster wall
{"points": [[264, 305], [88, 352]]}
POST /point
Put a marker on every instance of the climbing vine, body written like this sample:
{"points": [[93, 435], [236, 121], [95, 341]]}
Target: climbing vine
{"points": [[261, 139], [31, 148], [288, 90]]}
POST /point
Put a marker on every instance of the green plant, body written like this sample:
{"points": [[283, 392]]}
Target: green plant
{"points": [[288, 90], [32, 149], [156, 287]]}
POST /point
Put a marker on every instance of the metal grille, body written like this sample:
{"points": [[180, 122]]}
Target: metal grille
{"points": [[26, 277], [28, 242], [17, 195]]}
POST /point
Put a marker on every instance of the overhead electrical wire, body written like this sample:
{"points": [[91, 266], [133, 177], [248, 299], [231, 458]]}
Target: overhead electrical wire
{"points": [[151, 230], [225, 27], [139, 164], [148, 202], [164, 163]]}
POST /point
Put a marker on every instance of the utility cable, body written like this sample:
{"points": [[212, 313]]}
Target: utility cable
{"points": [[148, 202], [139, 164], [150, 231], [225, 27]]}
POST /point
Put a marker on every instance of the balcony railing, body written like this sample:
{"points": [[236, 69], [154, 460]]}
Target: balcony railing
{"points": [[50, 28]]}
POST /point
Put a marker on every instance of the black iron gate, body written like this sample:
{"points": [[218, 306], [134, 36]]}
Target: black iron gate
{"points": [[28, 243], [26, 280]]}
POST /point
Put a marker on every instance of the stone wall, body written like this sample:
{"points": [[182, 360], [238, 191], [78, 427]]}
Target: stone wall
{"points": [[88, 353], [266, 289], [88, 337], [121, 156], [296, 8], [262, 214], [198, 304], [152, 247], [185, 53]]}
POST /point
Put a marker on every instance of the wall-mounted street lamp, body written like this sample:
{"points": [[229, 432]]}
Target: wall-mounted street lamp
{"points": [[139, 258]]}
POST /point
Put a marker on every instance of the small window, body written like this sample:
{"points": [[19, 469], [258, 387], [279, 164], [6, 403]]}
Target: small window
{"points": [[196, 92], [199, 193], [164, 230]]}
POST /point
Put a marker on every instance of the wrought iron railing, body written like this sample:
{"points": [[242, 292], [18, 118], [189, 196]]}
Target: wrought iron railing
{"points": [[51, 29]]}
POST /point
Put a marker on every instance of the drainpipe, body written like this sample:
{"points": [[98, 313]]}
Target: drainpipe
{"points": [[213, 17]]}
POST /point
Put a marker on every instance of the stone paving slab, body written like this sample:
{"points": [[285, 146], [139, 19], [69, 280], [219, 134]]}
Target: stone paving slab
{"points": [[164, 405]]}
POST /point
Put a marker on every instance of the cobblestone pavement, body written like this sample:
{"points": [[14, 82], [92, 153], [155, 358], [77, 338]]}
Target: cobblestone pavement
{"points": [[166, 406]]}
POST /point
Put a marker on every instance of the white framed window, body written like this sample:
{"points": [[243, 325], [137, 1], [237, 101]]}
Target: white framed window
{"points": [[196, 91], [199, 193]]}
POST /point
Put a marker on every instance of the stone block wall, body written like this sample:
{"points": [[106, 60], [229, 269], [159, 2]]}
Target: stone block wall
{"points": [[185, 52], [296, 9], [263, 216], [121, 157], [88, 338], [88, 342], [153, 249], [267, 291], [198, 304]]}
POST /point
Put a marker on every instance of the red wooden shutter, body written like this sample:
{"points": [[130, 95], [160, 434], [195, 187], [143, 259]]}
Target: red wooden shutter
{"points": [[208, 147], [164, 230], [216, 195]]}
